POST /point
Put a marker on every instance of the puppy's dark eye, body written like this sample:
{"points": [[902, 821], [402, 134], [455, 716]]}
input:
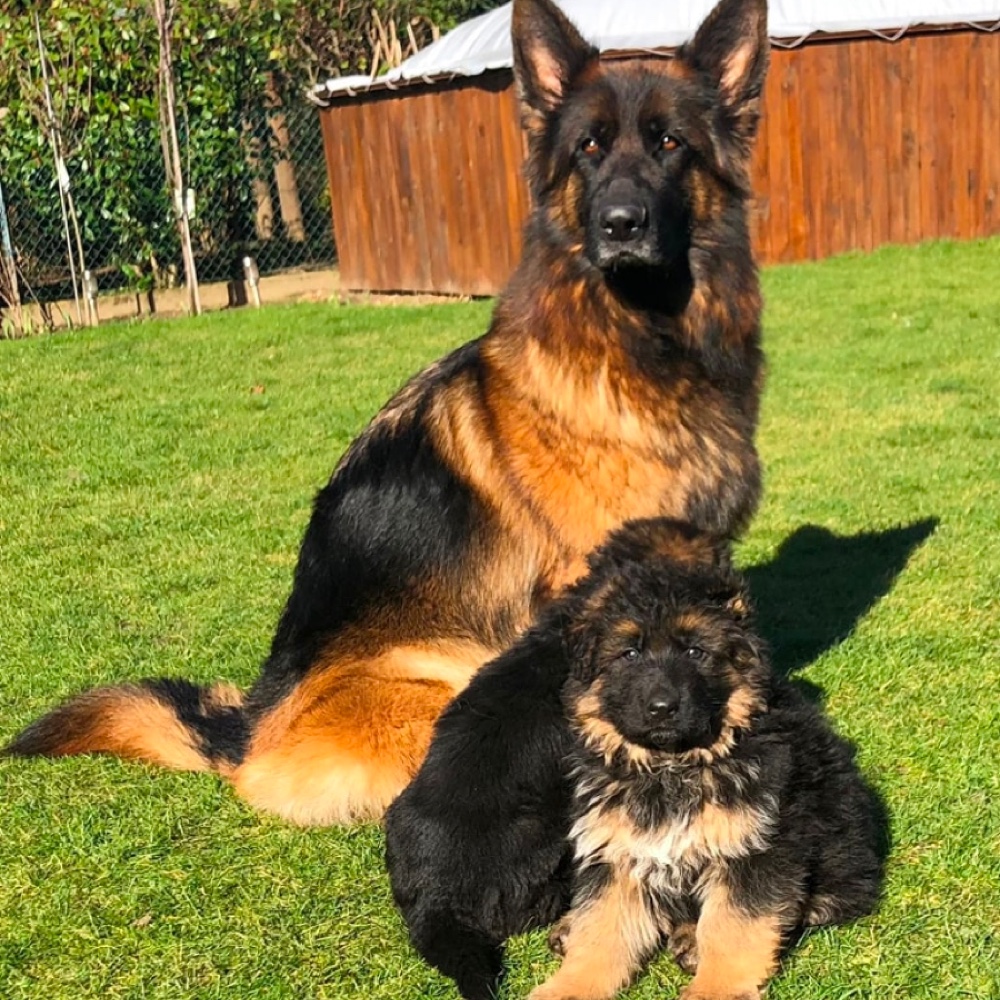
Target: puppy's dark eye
{"points": [[668, 142], [630, 655], [590, 146], [695, 653]]}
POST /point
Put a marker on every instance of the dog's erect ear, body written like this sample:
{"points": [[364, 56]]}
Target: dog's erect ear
{"points": [[549, 54], [731, 49], [732, 596], [739, 606]]}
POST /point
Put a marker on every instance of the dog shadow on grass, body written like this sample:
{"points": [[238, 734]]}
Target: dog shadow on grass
{"points": [[810, 597]]}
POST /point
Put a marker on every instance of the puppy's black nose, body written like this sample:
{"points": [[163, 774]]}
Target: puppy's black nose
{"points": [[662, 708], [623, 222]]}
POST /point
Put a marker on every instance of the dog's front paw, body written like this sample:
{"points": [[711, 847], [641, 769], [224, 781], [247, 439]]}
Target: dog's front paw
{"points": [[558, 935], [683, 945]]}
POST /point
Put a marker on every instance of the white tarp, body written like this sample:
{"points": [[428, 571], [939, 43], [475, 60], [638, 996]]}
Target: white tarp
{"points": [[483, 43]]}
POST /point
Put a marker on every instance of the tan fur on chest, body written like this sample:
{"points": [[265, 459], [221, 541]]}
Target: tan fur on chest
{"points": [[591, 445], [685, 845]]}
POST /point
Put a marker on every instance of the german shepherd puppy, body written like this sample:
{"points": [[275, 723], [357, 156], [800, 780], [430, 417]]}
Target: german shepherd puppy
{"points": [[714, 809], [478, 844], [619, 379]]}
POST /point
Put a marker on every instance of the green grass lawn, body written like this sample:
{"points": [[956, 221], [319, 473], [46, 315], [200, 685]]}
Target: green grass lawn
{"points": [[154, 483]]}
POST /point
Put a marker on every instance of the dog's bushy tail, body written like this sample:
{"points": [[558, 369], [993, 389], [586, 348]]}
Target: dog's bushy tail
{"points": [[165, 721]]}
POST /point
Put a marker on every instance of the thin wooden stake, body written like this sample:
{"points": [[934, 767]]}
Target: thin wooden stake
{"points": [[172, 153]]}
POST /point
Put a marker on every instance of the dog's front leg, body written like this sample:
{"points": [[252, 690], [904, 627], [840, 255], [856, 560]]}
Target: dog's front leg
{"points": [[737, 950], [608, 935]]}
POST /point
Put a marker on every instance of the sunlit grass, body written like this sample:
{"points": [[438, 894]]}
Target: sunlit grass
{"points": [[155, 481]]}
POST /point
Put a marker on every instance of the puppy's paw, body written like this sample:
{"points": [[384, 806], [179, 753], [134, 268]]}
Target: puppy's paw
{"points": [[683, 945], [558, 935]]}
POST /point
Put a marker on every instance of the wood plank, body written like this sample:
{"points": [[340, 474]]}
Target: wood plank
{"points": [[877, 92], [942, 56], [460, 195], [367, 209], [465, 190], [760, 208], [849, 151], [514, 205], [435, 242], [972, 102], [926, 141], [778, 171], [827, 80], [413, 177], [911, 177], [485, 160], [812, 108], [798, 244], [396, 242], [349, 208], [887, 94], [865, 155], [483, 157], [964, 151], [990, 90]]}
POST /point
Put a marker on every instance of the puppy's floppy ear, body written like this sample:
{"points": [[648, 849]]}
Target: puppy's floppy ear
{"points": [[581, 617], [749, 653], [549, 53], [731, 49], [581, 643]]}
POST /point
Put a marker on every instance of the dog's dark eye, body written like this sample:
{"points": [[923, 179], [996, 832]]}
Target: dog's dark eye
{"points": [[590, 146], [695, 653], [668, 142], [630, 655]]}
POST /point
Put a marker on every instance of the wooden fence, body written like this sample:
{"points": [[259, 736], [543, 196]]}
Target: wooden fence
{"points": [[863, 142]]}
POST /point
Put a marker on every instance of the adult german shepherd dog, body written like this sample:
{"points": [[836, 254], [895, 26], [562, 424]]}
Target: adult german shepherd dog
{"points": [[619, 379]]}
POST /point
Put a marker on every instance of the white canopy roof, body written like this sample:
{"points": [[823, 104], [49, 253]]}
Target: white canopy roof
{"points": [[483, 43]]}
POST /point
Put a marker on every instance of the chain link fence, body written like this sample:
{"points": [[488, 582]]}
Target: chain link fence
{"points": [[270, 202]]}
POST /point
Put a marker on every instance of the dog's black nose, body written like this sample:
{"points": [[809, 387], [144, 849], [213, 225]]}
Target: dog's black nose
{"points": [[623, 222], [660, 709]]}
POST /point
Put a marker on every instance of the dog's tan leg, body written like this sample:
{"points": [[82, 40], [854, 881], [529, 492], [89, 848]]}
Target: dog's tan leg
{"points": [[737, 953], [608, 939], [352, 734], [346, 756]]}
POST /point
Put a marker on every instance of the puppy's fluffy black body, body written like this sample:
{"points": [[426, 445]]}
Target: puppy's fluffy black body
{"points": [[477, 845]]}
